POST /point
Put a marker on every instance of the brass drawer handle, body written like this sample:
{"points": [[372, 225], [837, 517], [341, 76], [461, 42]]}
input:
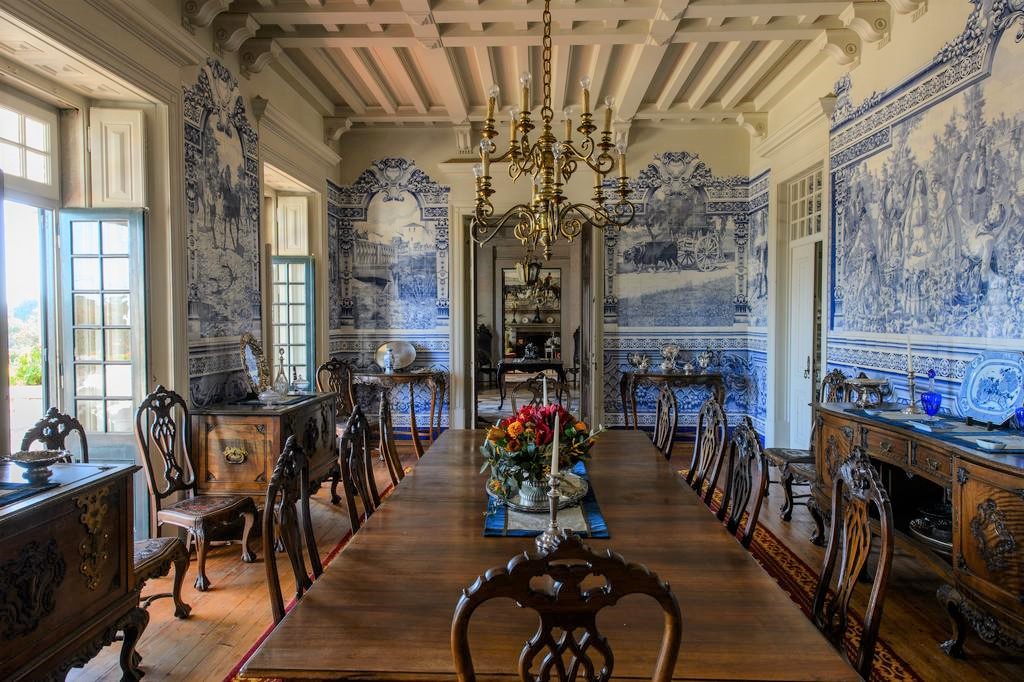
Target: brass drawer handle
{"points": [[235, 455], [932, 463]]}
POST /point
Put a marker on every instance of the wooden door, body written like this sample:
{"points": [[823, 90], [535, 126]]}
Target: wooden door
{"points": [[801, 342]]}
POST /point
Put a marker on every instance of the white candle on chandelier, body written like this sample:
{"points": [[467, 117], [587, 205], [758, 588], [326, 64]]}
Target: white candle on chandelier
{"points": [[608, 102], [568, 124], [621, 148], [554, 447], [485, 155], [492, 100], [585, 84], [524, 80]]}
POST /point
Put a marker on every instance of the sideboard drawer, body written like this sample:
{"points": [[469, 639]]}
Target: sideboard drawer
{"points": [[933, 464], [886, 447], [237, 455]]}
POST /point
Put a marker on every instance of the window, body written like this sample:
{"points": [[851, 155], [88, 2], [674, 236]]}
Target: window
{"points": [[292, 315], [804, 196], [28, 146]]}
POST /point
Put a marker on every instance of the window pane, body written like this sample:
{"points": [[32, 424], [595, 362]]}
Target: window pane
{"points": [[115, 237], [298, 272], [119, 416], [119, 380], [86, 273], [87, 345], [115, 273], [9, 128], [298, 293], [279, 271], [85, 237], [36, 134], [88, 380], [10, 159], [119, 344], [90, 413], [116, 310], [298, 314], [87, 308], [280, 293], [36, 167], [298, 334]]}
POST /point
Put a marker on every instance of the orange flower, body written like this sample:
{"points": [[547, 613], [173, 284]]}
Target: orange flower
{"points": [[580, 426], [495, 434], [515, 429], [513, 445]]}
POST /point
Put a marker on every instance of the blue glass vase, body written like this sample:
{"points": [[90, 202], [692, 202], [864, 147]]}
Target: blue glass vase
{"points": [[1019, 413], [931, 401]]}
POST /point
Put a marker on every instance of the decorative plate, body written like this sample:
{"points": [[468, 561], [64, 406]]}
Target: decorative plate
{"points": [[573, 489], [993, 386], [403, 352], [550, 320]]}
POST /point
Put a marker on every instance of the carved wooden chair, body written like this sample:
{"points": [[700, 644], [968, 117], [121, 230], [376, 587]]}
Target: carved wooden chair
{"points": [[356, 463], [565, 609], [335, 376], [52, 432], [531, 392], [856, 489], [203, 517], [388, 447], [708, 449], [666, 421], [286, 511], [746, 482], [796, 465], [254, 362]]}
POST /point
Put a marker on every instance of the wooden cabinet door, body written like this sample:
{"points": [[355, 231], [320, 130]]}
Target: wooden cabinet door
{"points": [[988, 547], [835, 441], [236, 454]]}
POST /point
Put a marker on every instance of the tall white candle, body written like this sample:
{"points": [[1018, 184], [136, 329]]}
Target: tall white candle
{"points": [[910, 357], [554, 448], [545, 382]]}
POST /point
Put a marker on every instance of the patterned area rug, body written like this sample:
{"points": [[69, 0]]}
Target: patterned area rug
{"points": [[800, 581]]}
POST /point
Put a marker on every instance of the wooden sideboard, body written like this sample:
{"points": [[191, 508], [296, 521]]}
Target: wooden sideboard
{"points": [[986, 568], [66, 576], [237, 444]]}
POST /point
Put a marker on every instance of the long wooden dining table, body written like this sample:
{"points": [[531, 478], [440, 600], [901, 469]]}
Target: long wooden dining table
{"points": [[382, 609]]}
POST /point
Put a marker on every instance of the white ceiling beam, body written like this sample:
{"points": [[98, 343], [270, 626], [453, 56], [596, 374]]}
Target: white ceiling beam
{"points": [[487, 73], [560, 76], [298, 79], [715, 71], [809, 57], [641, 70], [361, 62], [315, 3], [767, 56], [733, 8], [439, 65], [684, 68], [336, 79], [397, 68], [598, 70]]}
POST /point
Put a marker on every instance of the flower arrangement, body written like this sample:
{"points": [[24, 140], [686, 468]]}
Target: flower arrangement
{"points": [[518, 448]]}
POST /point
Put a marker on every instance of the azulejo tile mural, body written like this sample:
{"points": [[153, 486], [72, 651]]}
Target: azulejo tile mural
{"points": [[690, 270], [222, 202], [388, 273], [928, 203]]}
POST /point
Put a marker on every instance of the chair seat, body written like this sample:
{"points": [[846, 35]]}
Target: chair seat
{"points": [[782, 456], [153, 555], [187, 511], [802, 471]]}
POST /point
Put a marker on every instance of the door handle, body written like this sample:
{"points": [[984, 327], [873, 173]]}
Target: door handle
{"points": [[807, 369]]}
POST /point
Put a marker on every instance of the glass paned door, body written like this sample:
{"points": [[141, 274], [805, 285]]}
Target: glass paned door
{"points": [[103, 327], [292, 316]]}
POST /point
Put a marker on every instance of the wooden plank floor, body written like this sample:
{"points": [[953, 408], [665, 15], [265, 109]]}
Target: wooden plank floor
{"points": [[228, 619]]}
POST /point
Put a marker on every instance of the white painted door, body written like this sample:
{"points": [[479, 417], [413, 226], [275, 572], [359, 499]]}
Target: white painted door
{"points": [[801, 342]]}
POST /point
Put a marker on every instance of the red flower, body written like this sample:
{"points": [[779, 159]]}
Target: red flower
{"points": [[544, 433]]}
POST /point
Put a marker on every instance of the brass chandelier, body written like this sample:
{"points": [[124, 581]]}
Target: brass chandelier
{"points": [[551, 163]]}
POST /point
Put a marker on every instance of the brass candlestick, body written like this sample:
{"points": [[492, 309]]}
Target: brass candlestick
{"points": [[548, 540], [912, 408]]}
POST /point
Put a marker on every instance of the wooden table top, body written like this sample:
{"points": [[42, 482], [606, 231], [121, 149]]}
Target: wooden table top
{"points": [[383, 608]]}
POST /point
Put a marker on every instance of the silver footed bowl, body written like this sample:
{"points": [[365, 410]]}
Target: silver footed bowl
{"points": [[36, 463]]}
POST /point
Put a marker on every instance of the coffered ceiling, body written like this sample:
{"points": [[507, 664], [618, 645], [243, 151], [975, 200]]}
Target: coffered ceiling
{"points": [[400, 62]]}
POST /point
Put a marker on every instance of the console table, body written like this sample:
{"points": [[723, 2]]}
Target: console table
{"points": [[633, 379], [986, 574], [435, 381], [531, 366], [66, 575], [237, 444]]}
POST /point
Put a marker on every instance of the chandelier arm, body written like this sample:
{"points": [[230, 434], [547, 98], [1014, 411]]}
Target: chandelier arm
{"points": [[482, 225]]}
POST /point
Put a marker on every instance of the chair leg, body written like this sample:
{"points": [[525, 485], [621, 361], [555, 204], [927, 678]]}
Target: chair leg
{"points": [[133, 625], [202, 544], [335, 480], [787, 487], [249, 518], [818, 537], [181, 609]]}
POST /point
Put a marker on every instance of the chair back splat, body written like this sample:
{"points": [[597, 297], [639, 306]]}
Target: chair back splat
{"points": [[335, 376], [856, 488], [567, 640], [356, 463], [708, 448], [666, 421], [746, 482], [53, 431], [287, 510], [531, 392], [156, 428]]}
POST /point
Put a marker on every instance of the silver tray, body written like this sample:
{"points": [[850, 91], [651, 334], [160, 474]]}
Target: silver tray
{"points": [[922, 530], [573, 488], [403, 352]]}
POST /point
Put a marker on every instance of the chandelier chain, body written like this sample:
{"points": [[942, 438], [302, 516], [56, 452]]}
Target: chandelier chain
{"points": [[547, 60]]}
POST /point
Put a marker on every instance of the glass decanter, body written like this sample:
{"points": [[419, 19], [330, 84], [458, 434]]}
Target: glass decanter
{"points": [[931, 400], [281, 383]]}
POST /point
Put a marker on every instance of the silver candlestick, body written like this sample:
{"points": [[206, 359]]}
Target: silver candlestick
{"points": [[548, 540], [912, 408]]}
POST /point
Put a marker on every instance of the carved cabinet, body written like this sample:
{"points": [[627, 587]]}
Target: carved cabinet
{"points": [[66, 583], [236, 445], [986, 568]]}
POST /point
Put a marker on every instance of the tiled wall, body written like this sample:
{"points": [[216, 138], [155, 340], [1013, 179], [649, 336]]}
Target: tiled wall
{"points": [[928, 223]]}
